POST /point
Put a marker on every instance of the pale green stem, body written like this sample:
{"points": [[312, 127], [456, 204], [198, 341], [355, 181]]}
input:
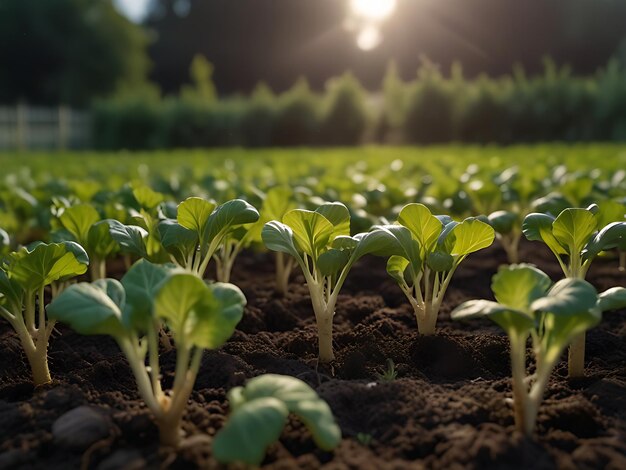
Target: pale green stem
{"points": [[142, 378], [153, 351], [29, 312], [520, 387]]}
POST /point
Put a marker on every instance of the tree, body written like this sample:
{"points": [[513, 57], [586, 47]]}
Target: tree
{"points": [[68, 51]]}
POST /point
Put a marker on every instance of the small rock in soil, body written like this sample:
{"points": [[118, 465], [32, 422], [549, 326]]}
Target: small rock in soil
{"points": [[123, 459], [80, 428]]}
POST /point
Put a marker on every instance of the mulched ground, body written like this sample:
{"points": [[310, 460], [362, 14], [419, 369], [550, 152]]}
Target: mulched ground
{"points": [[446, 409]]}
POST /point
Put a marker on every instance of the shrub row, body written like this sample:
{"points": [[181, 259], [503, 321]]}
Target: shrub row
{"points": [[433, 108]]}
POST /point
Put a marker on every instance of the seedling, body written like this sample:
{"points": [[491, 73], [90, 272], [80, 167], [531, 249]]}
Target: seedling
{"points": [[277, 202], [575, 238], [82, 223], [201, 232], [508, 230], [321, 244], [389, 374], [365, 439], [259, 413], [527, 304], [23, 279], [428, 251], [132, 311]]}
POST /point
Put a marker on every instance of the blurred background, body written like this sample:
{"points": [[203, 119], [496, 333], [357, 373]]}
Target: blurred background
{"points": [[148, 74]]}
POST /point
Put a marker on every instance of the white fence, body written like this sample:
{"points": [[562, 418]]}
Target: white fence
{"points": [[23, 128]]}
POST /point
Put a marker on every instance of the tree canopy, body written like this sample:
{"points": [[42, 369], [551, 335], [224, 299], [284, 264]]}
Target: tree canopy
{"points": [[67, 51]]}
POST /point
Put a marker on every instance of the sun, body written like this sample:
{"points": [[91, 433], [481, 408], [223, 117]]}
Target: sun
{"points": [[373, 9]]}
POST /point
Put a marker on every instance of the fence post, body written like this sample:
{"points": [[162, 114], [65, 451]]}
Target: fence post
{"points": [[21, 131], [64, 120]]}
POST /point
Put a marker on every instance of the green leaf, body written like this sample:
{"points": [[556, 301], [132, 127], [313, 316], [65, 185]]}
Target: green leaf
{"points": [[278, 201], [114, 290], [205, 316], [88, 310], [311, 230], [388, 240], [518, 286], [513, 321], [440, 261], [131, 238], [538, 227], [470, 236], [573, 228], [612, 299], [78, 251], [424, 226], [503, 222], [279, 237], [78, 220], [345, 243], [100, 243], [611, 211], [43, 265], [300, 399], [569, 296], [11, 293], [228, 217], [147, 198], [177, 240], [611, 236], [338, 215], [141, 283], [332, 261], [177, 297], [396, 265], [249, 431], [194, 212]]}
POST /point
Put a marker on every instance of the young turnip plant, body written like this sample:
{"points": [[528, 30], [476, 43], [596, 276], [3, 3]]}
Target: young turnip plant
{"points": [[82, 224], [575, 238], [132, 311], [429, 249], [23, 279], [527, 304], [508, 230], [321, 244], [276, 203], [259, 413], [202, 232]]}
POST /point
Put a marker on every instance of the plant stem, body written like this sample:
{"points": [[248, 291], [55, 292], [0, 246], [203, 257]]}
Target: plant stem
{"points": [[38, 361], [170, 423], [576, 357], [325, 337], [520, 389]]}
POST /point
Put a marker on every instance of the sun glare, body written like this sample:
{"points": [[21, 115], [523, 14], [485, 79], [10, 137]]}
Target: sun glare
{"points": [[373, 9], [368, 38]]}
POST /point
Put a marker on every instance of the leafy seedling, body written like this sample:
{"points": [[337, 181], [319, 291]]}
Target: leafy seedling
{"points": [[575, 237], [428, 250], [277, 202], [202, 232], [132, 311], [321, 244], [23, 279], [389, 374], [82, 224], [508, 228], [527, 304], [259, 413]]}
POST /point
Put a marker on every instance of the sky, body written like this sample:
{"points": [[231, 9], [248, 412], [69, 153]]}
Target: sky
{"points": [[133, 9]]}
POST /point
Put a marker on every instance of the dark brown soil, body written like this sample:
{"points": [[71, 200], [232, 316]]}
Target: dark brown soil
{"points": [[446, 409]]}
